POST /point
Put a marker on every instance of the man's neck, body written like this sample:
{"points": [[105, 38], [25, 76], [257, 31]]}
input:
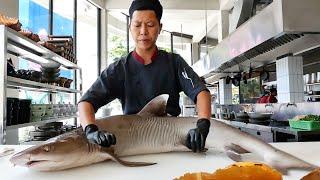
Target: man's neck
{"points": [[146, 54]]}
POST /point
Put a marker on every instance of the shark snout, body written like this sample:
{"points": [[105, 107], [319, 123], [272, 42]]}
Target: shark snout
{"points": [[21, 159], [27, 160]]}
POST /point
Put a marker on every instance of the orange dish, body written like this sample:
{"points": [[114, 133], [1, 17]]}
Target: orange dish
{"points": [[238, 171]]}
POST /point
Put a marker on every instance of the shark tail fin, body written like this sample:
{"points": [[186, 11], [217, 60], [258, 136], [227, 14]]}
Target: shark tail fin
{"points": [[282, 160], [275, 158]]}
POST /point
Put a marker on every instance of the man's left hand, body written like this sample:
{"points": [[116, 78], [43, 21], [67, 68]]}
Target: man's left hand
{"points": [[196, 137]]}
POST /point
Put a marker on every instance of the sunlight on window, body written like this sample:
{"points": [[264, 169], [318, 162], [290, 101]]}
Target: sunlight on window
{"points": [[87, 42]]}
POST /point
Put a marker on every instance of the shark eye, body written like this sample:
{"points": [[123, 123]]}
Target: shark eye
{"points": [[46, 148]]}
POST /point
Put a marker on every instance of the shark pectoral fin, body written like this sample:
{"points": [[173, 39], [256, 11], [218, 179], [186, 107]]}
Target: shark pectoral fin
{"points": [[236, 148], [238, 154], [283, 170], [234, 152], [132, 164], [233, 155], [115, 158]]}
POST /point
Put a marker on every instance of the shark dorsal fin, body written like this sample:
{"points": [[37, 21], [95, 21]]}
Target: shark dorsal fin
{"points": [[156, 107]]}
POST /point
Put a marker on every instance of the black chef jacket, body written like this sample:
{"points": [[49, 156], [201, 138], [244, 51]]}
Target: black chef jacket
{"points": [[135, 84]]}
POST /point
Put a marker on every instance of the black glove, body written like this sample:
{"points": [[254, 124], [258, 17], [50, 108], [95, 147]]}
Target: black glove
{"points": [[196, 137], [101, 138]]}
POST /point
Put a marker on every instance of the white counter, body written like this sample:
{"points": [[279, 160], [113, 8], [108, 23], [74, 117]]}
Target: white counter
{"points": [[169, 165]]}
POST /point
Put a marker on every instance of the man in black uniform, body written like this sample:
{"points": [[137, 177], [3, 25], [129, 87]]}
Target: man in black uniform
{"points": [[144, 74]]}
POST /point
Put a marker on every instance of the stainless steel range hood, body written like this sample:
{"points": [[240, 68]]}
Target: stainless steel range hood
{"points": [[283, 27]]}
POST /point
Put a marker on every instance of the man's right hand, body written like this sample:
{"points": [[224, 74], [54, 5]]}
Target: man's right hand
{"points": [[101, 138]]}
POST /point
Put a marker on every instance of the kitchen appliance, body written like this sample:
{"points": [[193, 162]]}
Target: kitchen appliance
{"points": [[278, 30], [241, 117], [260, 122], [260, 118], [49, 130], [264, 75]]}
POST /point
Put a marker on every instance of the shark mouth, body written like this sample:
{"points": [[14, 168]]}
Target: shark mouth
{"points": [[33, 163]]}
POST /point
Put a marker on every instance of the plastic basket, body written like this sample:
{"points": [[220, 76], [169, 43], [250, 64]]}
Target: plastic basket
{"points": [[307, 125]]}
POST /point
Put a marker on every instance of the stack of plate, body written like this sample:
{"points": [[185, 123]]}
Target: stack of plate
{"points": [[50, 75]]}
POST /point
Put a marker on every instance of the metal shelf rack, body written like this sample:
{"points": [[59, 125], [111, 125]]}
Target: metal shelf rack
{"points": [[16, 44], [36, 86], [41, 122]]}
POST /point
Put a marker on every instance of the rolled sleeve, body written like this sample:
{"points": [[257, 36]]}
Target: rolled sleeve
{"points": [[190, 82], [105, 89]]}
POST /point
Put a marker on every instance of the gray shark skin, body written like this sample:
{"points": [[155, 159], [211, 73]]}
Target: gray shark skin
{"points": [[149, 131]]}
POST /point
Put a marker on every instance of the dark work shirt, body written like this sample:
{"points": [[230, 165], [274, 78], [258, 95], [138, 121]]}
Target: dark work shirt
{"points": [[135, 84]]}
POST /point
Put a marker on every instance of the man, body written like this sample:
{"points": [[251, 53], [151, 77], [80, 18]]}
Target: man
{"points": [[269, 97], [144, 74]]}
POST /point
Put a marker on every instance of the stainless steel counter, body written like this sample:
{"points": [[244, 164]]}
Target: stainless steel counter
{"points": [[275, 133], [246, 125]]}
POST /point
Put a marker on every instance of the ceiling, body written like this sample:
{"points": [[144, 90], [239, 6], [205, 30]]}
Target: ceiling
{"points": [[186, 16], [191, 22]]}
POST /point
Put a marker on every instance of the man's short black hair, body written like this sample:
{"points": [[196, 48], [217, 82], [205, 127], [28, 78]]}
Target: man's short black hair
{"points": [[146, 5]]}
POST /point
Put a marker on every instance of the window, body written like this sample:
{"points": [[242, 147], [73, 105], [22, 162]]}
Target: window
{"points": [[117, 36], [182, 46], [117, 47], [164, 41], [34, 15], [62, 25], [87, 38], [63, 13]]}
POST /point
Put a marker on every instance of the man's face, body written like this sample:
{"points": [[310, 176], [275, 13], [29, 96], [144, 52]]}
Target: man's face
{"points": [[144, 28]]}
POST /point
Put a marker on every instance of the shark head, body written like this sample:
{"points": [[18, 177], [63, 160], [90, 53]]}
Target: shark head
{"points": [[55, 154]]}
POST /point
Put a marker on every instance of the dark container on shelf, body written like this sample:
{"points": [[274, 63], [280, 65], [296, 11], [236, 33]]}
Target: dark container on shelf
{"points": [[15, 110], [24, 111], [9, 111]]}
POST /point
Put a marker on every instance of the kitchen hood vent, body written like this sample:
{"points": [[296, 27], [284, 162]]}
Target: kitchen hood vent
{"points": [[265, 47], [283, 27]]}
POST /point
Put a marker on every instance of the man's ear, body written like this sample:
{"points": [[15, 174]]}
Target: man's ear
{"points": [[160, 28]]}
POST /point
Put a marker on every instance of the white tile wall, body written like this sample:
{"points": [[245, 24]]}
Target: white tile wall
{"points": [[290, 79]]}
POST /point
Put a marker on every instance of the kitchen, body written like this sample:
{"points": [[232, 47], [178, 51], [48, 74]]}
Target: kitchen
{"points": [[243, 50]]}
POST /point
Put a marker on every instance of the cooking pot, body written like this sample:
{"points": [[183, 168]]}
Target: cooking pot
{"points": [[255, 121], [244, 78], [264, 75], [228, 79], [236, 79], [242, 115], [250, 72], [260, 116], [235, 82]]}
